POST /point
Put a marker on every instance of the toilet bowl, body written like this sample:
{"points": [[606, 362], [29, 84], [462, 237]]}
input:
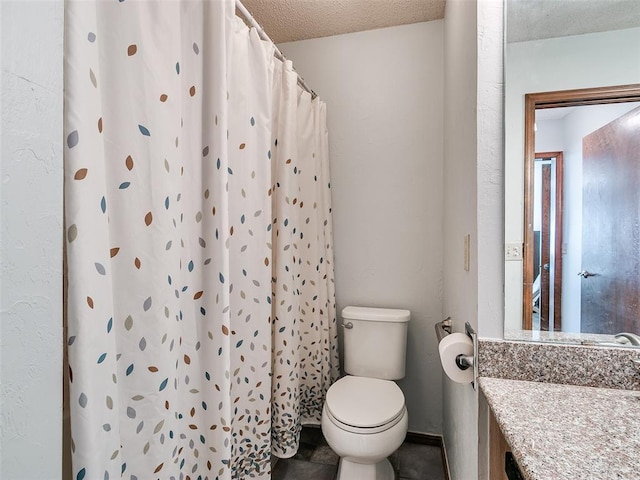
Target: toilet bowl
{"points": [[364, 420]]}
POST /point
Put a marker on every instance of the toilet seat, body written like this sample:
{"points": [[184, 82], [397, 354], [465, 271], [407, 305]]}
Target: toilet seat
{"points": [[364, 405]]}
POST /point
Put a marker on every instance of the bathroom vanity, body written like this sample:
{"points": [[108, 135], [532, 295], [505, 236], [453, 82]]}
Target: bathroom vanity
{"points": [[564, 411], [564, 431]]}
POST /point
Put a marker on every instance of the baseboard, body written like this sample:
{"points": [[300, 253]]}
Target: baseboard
{"points": [[424, 439], [434, 441], [445, 461]]}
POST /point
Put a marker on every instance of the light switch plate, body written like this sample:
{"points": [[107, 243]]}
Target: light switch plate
{"points": [[467, 240], [513, 251]]}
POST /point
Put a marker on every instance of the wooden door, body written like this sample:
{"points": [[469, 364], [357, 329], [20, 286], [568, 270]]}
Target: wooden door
{"points": [[611, 227]]}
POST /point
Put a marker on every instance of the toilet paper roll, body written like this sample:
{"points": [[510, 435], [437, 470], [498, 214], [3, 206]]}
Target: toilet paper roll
{"points": [[450, 347]]}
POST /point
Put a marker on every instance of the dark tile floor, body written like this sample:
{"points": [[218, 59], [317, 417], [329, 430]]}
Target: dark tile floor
{"points": [[316, 461]]}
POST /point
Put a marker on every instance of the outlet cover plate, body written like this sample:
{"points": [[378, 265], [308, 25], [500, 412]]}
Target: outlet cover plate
{"points": [[513, 251]]}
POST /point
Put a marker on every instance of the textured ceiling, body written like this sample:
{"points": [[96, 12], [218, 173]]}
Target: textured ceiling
{"points": [[537, 19], [290, 20]]}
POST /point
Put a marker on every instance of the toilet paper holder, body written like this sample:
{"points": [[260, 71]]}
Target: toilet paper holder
{"points": [[463, 362]]}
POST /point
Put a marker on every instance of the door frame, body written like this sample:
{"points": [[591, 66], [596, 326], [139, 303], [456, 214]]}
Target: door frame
{"points": [[534, 101], [528, 253]]}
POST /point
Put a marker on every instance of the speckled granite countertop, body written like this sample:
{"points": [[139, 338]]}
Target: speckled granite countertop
{"points": [[585, 366], [561, 432]]}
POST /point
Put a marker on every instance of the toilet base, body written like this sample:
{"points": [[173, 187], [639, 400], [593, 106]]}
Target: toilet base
{"points": [[349, 470]]}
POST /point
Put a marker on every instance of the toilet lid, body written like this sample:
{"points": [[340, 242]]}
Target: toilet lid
{"points": [[364, 402]]}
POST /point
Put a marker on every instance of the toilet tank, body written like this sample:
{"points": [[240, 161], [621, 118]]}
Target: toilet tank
{"points": [[375, 345]]}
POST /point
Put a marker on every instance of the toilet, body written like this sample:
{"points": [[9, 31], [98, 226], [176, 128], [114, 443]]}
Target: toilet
{"points": [[364, 418]]}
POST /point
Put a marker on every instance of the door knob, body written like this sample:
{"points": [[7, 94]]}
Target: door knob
{"points": [[546, 266], [586, 274]]}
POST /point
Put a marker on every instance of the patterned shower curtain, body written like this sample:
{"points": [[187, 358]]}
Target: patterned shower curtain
{"points": [[200, 304]]}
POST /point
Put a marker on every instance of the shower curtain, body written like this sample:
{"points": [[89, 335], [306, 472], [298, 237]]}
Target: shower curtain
{"points": [[200, 301]]}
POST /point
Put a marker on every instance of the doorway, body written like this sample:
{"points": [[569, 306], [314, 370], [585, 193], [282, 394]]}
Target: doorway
{"points": [[544, 300]]}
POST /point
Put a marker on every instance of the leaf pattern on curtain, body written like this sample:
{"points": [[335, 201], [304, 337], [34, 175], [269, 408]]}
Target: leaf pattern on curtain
{"points": [[201, 311], [304, 308]]}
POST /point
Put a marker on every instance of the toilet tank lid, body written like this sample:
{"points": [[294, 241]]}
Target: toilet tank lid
{"points": [[376, 314]]}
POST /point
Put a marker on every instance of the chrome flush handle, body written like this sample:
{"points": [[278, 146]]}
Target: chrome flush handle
{"points": [[348, 325]]}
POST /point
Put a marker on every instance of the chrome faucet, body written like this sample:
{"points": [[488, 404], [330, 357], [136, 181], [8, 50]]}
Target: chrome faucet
{"points": [[626, 337]]}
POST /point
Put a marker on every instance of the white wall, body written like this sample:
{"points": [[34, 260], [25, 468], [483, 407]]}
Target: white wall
{"points": [[383, 90], [460, 202], [490, 168], [31, 240], [547, 65], [473, 205]]}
